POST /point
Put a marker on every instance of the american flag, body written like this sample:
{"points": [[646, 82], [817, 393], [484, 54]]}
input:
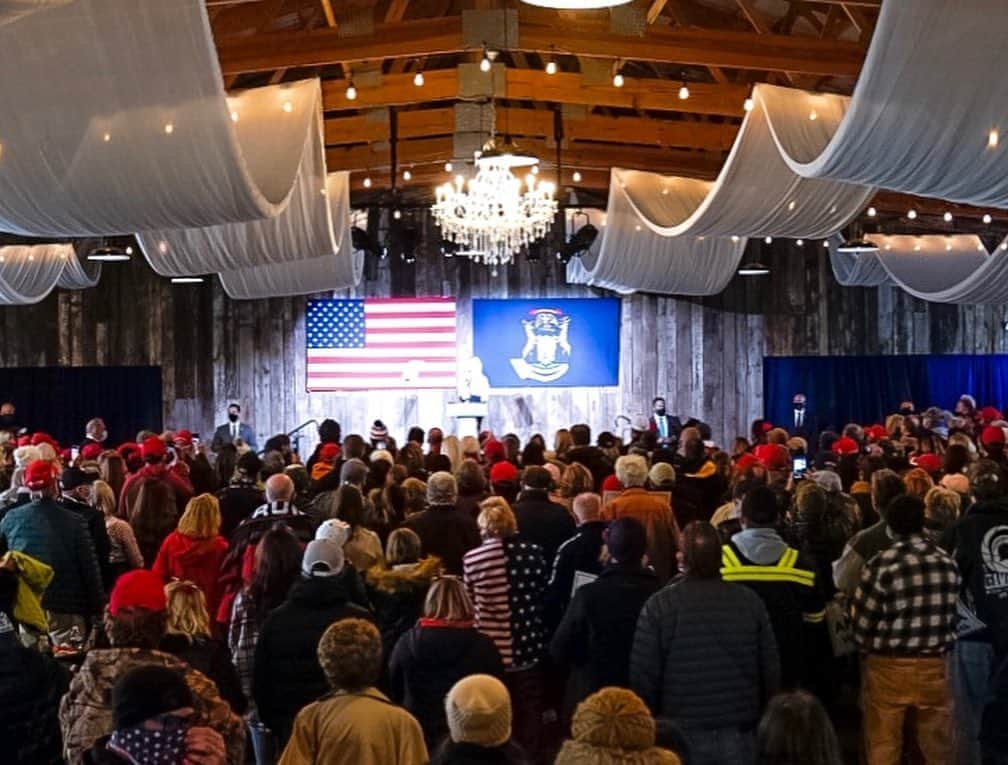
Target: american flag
{"points": [[381, 343]]}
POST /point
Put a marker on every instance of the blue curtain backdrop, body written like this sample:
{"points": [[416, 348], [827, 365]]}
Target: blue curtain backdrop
{"points": [[60, 400], [864, 389]]}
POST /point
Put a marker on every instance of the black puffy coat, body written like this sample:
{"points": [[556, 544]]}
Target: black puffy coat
{"points": [[31, 685], [398, 595], [213, 659], [286, 674], [428, 661], [543, 522]]}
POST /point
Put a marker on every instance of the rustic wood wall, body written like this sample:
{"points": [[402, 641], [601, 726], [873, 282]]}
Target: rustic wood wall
{"points": [[705, 355]]}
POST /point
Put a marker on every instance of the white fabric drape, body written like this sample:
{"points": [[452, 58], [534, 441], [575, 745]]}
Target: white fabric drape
{"points": [[335, 269], [930, 91], [634, 254], [115, 120], [12, 10], [28, 273], [940, 269], [80, 273]]}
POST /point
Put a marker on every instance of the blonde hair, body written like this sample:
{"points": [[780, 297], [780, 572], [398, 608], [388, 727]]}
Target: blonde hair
{"points": [[470, 447], [187, 610], [104, 498], [202, 518], [893, 423], [941, 507], [632, 470], [451, 447], [403, 546], [414, 495], [918, 482], [496, 519], [562, 442], [576, 479], [447, 599]]}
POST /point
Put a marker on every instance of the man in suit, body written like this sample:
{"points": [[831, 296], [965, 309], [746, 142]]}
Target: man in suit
{"points": [[665, 428], [232, 430], [802, 423]]}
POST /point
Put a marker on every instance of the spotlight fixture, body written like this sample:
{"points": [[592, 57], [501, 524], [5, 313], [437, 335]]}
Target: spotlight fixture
{"points": [[857, 246], [187, 280], [109, 254], [351, 91], [418, 79], [987, 218], [753, 268]]}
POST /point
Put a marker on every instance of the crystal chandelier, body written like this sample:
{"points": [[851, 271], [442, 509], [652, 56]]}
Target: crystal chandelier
{"points": [[494, 214]]}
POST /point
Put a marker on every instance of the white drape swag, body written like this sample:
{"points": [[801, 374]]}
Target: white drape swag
{"points": [[28, 273], [940, 269], [929, 94], [12, 10]]}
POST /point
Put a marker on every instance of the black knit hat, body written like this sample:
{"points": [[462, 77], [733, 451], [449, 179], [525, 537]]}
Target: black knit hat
{"points": [[626, 540], [146, 692]]}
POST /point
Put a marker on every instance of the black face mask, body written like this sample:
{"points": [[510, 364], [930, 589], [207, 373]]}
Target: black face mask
{"points": [[799, 407], [905, 411], [233, 417], [660, 412], [6, 420]]}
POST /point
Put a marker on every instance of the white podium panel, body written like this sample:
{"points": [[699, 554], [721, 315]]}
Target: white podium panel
{"points": [[467, 415]]}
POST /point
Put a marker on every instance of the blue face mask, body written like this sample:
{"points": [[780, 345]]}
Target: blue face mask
{"points": [[144, 746]]}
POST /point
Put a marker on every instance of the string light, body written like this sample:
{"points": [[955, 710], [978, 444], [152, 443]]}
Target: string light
{"points": [[485, 62], [397, 214], [872, 212], [418, 79], [288, 107], [987, 218], [735, 238], [234, 116], [768, 239], [617, 80], [107, 137], [351, 91], [992, 139], [912, 214], [169, 129], [367, 182], [826, 244], [813, 116], [577, 176], [448, 167], [683, 90], [748, 104], [800, 242], [551, 67], [534, 170], [947, 217], [407, 175]]}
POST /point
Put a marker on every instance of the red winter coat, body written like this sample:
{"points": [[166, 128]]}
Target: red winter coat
{"points": [[197, 560]]}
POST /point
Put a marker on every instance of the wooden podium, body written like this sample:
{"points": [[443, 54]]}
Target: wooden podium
{"points": [[467, 415]]}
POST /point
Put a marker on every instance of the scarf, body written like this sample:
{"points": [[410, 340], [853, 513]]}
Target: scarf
{"points": [[152, 747]]}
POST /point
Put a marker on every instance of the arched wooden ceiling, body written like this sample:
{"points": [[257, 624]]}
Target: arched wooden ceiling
{"points": [[720, 48]]}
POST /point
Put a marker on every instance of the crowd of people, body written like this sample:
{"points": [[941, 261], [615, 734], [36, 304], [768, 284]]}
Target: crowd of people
{"points": [[648, 600]]}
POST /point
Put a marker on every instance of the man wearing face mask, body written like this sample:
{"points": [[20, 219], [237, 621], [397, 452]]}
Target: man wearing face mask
{"points": [[665, 427], [76, 486], [95, 432], [802, 422], [232, 430]]}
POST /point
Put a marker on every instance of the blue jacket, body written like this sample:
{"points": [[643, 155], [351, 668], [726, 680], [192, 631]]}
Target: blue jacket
{"points": [[60, 539]]}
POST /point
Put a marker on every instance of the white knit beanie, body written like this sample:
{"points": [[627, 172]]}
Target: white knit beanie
{"points": [[478, 709]]}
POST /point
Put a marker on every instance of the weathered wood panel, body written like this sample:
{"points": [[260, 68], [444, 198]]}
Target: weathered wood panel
{"points": [[705, 356]]}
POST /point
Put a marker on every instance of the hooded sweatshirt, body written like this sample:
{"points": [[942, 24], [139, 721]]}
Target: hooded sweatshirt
{"points": [[196, 560]]}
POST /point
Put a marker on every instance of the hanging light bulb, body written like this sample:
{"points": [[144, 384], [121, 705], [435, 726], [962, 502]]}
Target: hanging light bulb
{"points": [[748, 104], [448, 167], [617, 79], [800, 242], [813, 116], [947, 217], [825, 243], [287, 107], [407, 175], [683, 89], [551, 67], [418, 79], [768, 239], [912, 214], [576, 177], [485, 62], [397, 214], [351, 91], [987, 218], [992, 139], [367, 182], [872, 212]]}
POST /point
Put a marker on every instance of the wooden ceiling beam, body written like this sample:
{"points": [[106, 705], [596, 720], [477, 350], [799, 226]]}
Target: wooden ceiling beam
{"points": [[539, 124], [427, 37], [534, 85]]}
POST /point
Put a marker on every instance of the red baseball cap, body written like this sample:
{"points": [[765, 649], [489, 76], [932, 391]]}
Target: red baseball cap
{"points": [[773, 456], [126, 448], [876, 432], [493, 450], [153, 447], [930, 462], [503, 472], [992, 435], [138, 589], [183, 438], [42, 438], [330, 452], [989, 414], [611, 483], [39, 474], [24, 441], [747, 460], [845, 445], [91, 452]]}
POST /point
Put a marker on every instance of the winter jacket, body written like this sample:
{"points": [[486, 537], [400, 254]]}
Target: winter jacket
{"points": [[450, 753], [468, 504], [596, 635], [31, 685], [95, 522], [428, 660], [57, 537], [286, 674], [655, 515], [362, 728], [398, 594], [543, 522], [698, 492], [862, 548], [506, 579], [237, 502], [582, 552], [213, 659], [785, 580], [977, 542], [363, 549], [86, 712], [33, 576], [704, 656], [196, 560], [180, 487], [446, 533]]}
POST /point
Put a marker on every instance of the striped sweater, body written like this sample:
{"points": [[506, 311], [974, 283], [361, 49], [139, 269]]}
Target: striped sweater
{"points": [[506, 579]]}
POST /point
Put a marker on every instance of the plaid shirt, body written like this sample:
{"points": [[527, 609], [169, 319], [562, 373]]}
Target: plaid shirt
{"points": [[906, 601]]}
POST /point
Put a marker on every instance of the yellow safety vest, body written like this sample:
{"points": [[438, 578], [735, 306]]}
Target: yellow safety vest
{"points": [[733, 570]]}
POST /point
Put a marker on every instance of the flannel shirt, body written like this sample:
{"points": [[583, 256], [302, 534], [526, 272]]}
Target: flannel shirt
{"points": [[906, 601]]}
